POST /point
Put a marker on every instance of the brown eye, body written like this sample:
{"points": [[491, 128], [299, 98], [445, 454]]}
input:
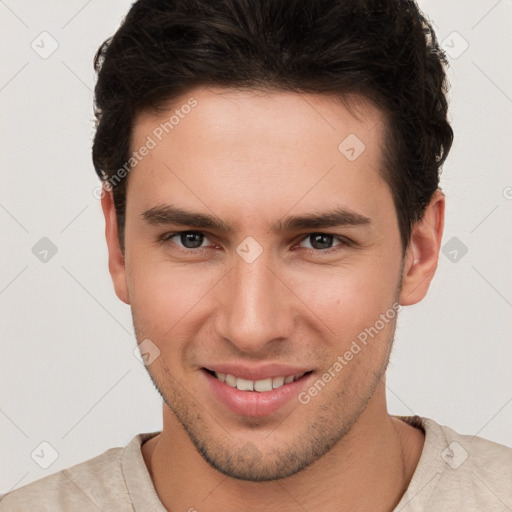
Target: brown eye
{"points": [[186, 239], [321, 241]]}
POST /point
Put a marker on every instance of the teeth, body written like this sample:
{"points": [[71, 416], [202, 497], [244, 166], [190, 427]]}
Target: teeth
{"points": [[244, 384], [277, 382], [259, 385], [264, 385], [230, 380]]}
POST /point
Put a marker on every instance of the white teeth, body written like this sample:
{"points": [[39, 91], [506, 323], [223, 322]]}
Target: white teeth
{"points": [[259, 385], [230, 380], [263, 385], [277, 382], [244, 384]]}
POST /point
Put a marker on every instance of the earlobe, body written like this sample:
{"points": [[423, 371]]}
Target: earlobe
{"points": [[116, 263], [422, 253]]}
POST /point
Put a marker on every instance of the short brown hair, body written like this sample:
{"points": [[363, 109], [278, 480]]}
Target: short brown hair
{"points": [[385, 50]]}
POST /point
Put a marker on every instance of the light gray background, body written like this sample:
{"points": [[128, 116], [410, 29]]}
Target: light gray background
{"points": [[68, 373]]}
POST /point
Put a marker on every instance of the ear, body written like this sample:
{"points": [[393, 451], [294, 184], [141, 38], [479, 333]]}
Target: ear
{"points": [[116, 264], [422, 253]]}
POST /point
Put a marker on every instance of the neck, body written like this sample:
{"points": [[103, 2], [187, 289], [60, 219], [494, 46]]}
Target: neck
{"points": [[369, 469]]}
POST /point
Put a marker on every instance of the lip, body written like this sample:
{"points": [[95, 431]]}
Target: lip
{"points": [[258, 372], [253, 403]]}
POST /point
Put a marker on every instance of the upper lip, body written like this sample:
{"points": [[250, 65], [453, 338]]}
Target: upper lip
{"points": [[260, 372]]}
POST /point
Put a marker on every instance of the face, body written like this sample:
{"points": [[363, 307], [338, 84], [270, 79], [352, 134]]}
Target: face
{"points": [[296, 257]]}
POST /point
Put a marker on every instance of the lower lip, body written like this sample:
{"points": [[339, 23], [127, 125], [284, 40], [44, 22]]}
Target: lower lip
{"points": [[254, 403]]}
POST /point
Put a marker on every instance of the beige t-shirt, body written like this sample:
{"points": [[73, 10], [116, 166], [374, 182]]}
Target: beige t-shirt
{"points": [[455, 473]]}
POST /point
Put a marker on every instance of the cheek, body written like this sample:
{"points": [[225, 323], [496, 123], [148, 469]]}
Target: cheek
{"points": [[169, 299], [349, 299], [162, 295]]}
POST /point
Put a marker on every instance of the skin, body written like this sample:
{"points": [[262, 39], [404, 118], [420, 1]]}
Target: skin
{"points": [[251, 159]]}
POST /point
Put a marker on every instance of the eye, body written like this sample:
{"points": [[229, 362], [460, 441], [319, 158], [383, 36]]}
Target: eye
{"points": [[322, 242], [189, 240]]}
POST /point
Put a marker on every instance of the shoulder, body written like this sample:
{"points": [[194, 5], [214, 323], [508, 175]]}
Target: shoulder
{"points": [[473, 453], [92, 485], [457, 470]]}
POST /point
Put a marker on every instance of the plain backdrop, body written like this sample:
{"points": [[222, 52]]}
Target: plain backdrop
{"points": [[69, 378]]}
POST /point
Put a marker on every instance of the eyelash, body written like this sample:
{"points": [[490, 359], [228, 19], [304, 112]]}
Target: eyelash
{"points": [[343, 242]]}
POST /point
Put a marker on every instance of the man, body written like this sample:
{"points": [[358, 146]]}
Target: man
{"points": [[271, 198]]}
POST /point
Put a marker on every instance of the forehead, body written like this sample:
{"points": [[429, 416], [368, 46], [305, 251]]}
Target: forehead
{"points": [[221, 111], [258, 149]]}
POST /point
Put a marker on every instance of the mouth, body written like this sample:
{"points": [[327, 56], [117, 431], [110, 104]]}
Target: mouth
{"points": [[255, 398], [259, 386]]}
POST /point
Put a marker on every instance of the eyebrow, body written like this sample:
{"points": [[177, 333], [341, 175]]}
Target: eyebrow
{"points": [[170, 214]]}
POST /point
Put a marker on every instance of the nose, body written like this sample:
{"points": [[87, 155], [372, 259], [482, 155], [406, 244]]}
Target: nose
{"points": [[256, 307]]}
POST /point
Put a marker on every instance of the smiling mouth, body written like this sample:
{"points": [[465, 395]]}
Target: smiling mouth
{"points": [[260, 386]]}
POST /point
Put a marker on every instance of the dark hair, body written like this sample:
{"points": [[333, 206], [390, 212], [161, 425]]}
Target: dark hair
{"points": [[384, 50]]}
